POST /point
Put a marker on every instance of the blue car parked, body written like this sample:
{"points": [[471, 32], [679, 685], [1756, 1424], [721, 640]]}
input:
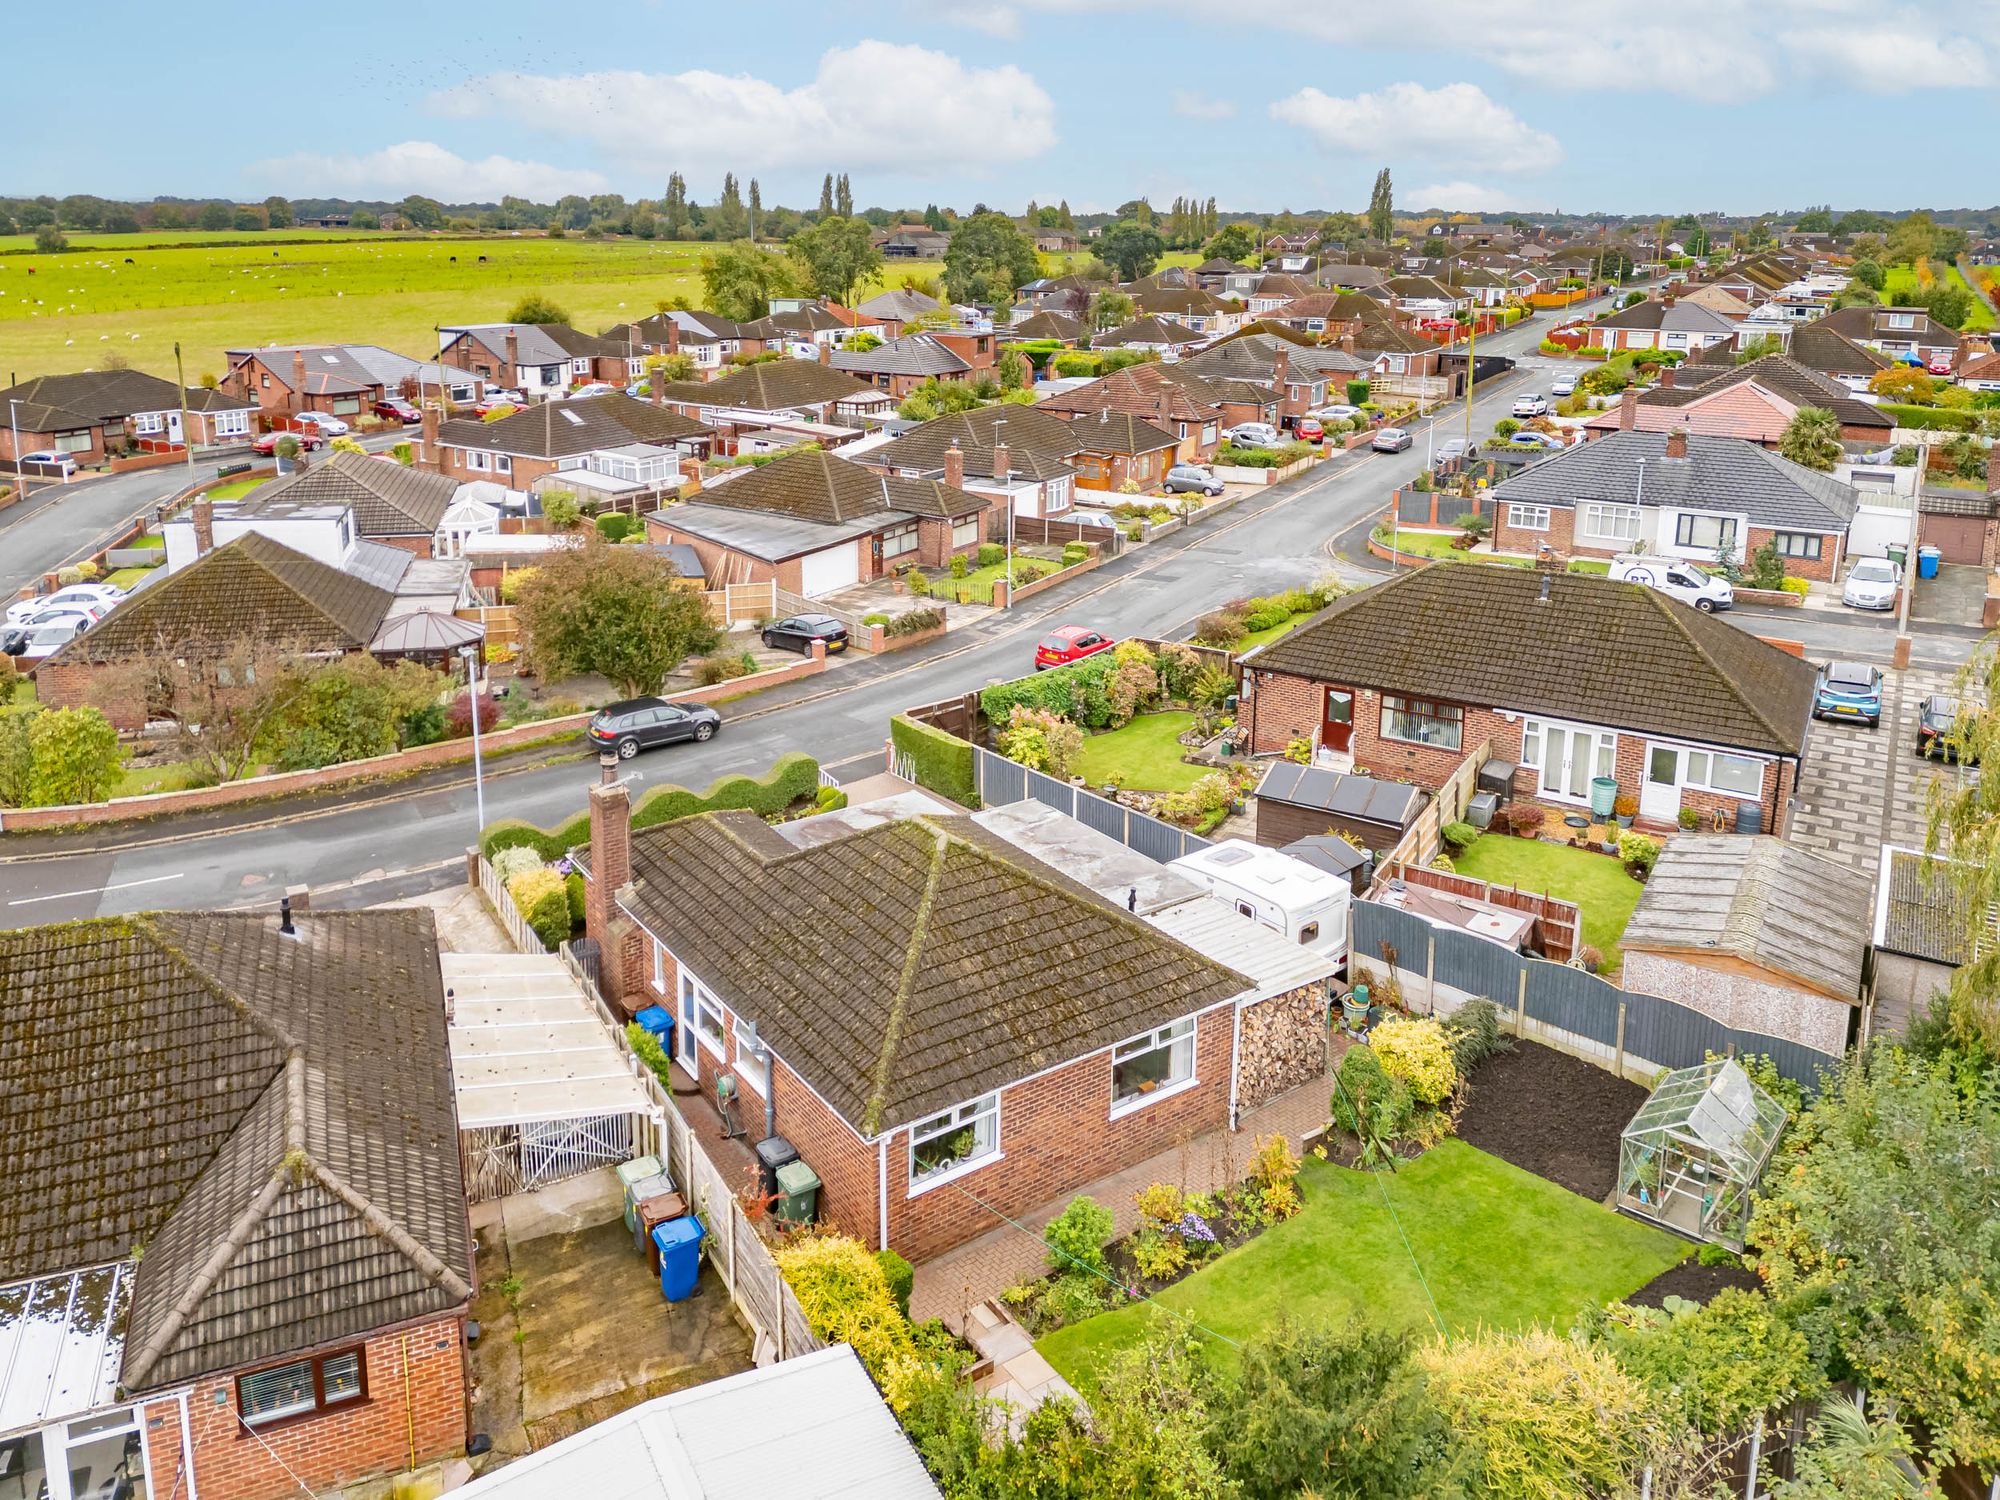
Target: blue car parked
{"points": [[1849, 690]]}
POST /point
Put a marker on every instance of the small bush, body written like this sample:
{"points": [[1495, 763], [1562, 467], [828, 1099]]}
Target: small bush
{"points": [[1158, 1255], [1459, 836], [900, 1276], [845, 1295], [1070, 1299], [876, 618], [1367, 1101], [1442, 861], [1275, 1171], [1795, 586], [1417, 1051], [991, 554], [1041, 741], [614, 527], [942, 762], [1075, 1237], [1526, 818], [1161, 1203], [1475, 1035], [516, 861], [830, 799], [959, 566], [915, 622], [1074, 553], [1219, 628], [1638, 852], [918, 585], [724, 666], [1688, 817], [646, 1047]]}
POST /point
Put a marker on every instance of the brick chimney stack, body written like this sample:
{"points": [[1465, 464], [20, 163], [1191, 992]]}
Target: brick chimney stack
{"points": [[512, 375], [954, 466], [657, 379], [1666, 377], [673, 334], [298, 380], [1667, 300], [1993, 470], [430, 453], [202, 513], [825, 353], [1003, 461], [1677, 443], [1281, 366], [1628, 409], [1347, 343], [610, 866]]}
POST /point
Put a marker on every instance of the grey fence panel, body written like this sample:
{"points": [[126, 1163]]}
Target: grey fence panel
{"points": [[1105, 817], [1001, 781], [1376, 925], [1476, 966], [1571, 1000], [1052, 793], [1154, 839], [1414, 506], [1670, 1034]]}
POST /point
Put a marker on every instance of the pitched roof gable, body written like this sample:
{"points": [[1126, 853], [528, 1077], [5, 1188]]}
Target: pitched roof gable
{"points": [[388, 498]]}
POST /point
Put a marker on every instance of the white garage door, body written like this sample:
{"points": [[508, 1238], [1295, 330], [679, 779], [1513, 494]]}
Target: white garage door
{"points": [[835, 568]]}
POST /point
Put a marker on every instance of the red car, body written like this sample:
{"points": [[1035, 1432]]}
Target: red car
{"points": [[396, 409], [1308, 430], [268, 443], [1940, 366], [1068, 643]]}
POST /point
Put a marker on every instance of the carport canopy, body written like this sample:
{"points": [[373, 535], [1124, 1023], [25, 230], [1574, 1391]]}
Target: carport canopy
{"points": [[527, 1046]]}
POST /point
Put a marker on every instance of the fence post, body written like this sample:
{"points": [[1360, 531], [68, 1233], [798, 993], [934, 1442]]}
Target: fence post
{"points": [[1620, 1070], [1756, 1453], [1520, 1004], [1430, 973], [778, 1302]]}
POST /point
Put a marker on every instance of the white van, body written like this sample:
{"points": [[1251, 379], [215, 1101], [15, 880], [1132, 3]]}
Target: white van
{"points": [[1676, 579], [1308, 905]]}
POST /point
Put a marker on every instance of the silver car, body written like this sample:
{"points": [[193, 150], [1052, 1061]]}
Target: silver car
{"points": [[1391, 440], [1871, 584], [1185, 479]]}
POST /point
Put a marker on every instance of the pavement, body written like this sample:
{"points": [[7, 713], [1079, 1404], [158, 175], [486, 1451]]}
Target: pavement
{"points": [[360, 847]]}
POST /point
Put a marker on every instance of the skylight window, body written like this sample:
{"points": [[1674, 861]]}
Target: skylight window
{"points": [[572, 418]]}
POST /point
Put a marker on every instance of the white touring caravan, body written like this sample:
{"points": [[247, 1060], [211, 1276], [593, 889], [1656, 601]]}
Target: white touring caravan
{"points": [[1287, 895]]}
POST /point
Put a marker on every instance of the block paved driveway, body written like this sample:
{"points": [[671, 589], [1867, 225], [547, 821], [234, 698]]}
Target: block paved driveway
{"points": [[1862, 788]]}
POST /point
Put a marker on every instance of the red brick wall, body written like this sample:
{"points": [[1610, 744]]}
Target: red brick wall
{"points": [[1561, 534], [934, 548], [1819, 568], [333, 1449], [1426, 765]]}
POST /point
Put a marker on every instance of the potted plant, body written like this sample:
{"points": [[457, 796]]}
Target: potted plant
{"points": [[1688, 818], [1526, 819], [1625, 809]]}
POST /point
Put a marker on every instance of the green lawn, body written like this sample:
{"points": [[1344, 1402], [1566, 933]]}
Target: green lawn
{"points": [[1144, 754], [167, 776], [1499, 1247], [1270, 633], [236, 489], [1900, 284], [1438, 544], [1596, 882], [126, 578], [976, 586]]}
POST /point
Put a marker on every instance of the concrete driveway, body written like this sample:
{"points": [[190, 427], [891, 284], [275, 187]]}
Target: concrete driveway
{"points": [[1862, 788]]}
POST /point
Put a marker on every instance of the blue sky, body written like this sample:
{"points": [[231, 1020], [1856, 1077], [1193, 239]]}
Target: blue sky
{"points": [[1487, 105]]}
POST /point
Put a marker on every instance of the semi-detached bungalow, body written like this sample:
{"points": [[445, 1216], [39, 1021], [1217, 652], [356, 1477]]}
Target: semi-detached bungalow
{"points": [[539, 360], [1568, 677], [88, 414], [555, 437]]}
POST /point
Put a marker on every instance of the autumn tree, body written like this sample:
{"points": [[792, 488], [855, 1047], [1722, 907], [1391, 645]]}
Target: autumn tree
{"points": [[739, 281], [616, 611], [223, 696], [536, 307]]}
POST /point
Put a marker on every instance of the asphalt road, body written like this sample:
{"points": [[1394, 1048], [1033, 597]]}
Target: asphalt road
{"points": [[374, 847]]}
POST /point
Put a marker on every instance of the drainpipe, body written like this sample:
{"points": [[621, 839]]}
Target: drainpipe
{"points": [[1235, 1045], [882, 1191], [763, 1055]]}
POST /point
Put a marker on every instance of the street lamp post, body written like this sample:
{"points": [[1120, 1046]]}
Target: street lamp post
{"points": [[1007, 498], [14, 426], [471, 655]]}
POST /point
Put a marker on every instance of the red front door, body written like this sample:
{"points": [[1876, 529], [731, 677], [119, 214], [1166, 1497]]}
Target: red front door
{"points": [[1337, 720]]}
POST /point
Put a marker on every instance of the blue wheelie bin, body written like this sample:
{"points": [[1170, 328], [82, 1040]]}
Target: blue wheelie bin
{"points": [[679, 1242], [1928, 559]]}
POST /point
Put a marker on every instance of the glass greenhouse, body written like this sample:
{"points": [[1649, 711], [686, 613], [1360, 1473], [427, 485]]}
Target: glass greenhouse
{"points": [[1696, 1149]]}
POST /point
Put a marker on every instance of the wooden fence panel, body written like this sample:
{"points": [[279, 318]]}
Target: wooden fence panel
{"points": [[505, 912]]}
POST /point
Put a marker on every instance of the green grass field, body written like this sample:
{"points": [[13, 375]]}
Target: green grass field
{"points": [[69, 311], [1900, 284], [1145, 754], [1499, 1247]]}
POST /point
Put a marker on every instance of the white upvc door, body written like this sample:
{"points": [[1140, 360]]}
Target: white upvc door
{"points": [[1660, 788], [1567, 756]]}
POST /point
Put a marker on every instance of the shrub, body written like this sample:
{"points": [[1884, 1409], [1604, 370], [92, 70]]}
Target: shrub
{"points": [[1626, 806], [1475, 1035], [1459, 836], [1638, 852], [646, 1047], [614, 527], [1079, 691], [1416, 1050], [1688, 817], [1357, 392], [1180, 669], [941, 762], [991, 554], [573, 887], [845, 1294], [1210, 687], [1525, 818], [900, 1275], [1367, 1101], [1299, 751], [724, 666], [1443, 861], [1070, 1299], [876, 618], [516, 861], [1074, 553], [914, 580], [915, 622], [1275, 1170], [1134, 685], [1041, 741], [1161, 1203], [1219, 628], [830, 799], [959, 566], [1158, 1255], [10, 680], [1075, 1237], [542, 898], [1794, 585]]}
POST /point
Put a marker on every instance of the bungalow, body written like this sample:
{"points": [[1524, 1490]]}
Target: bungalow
{"points": [[1980, 372], [554, 437], [92, 414], [1198, 311], [1567, 678], [1663, 323], [1273, 290], [1328, 313], [296, 1322], [1162, 336], [775, 391], [898, 307], [912, 243], [1906, 334], [804, 328], [1016, 455], [1755, 402], [1310, 376], [710, 340], [345, 380], [1217, 275], [817, 524], [901, 365], [1061, 327], [1427, 297], [387, 502], [540, 360], [1190, 408], [1005, 1033], [1679, 497], [1295, 241]]}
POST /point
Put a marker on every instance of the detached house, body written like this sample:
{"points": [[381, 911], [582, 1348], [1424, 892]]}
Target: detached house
{"points": [[1909, 335], [807, 397], [1755, 402], [1568, 677], [558, 436], [235, 1260], [345, 380], [1665, 323], [958, 356], [1677, 496], [981, 1034], [817, 524], [1189, 408], [540, 360], [87, 415]]}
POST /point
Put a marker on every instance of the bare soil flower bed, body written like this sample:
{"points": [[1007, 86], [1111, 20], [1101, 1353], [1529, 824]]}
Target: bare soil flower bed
{"points": [[1551, 1114], [1694, 1281]]}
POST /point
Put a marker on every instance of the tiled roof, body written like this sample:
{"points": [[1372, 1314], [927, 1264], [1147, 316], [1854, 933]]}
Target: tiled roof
{"points": [[540, 343], [1681, 317], [1923, 912], [899, 304], [1146, 390], [1254, 358], [388, 498], [1334, 307], [88, 397], [814, 485], [1779, 374], [1594, 651], [252, 587], [1828, 351], [564, 429], [775, 385], [1118, 432], [1028, 429], [1049, 325], [1146, 331], [1860, 323], [914, 354], [268, 1118], [960, 963], [1724, 474]]}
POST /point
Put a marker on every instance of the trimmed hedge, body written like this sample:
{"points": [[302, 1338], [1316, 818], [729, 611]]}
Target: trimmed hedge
{"points": [[793, 777], [1078, 692], [942, 762], [1936, 418]]}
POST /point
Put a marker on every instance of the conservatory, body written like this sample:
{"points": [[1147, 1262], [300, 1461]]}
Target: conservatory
{"points": [[1696, 1149]]}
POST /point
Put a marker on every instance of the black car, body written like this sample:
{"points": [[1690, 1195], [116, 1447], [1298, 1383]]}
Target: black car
{"points": [[641, 723], [798, 632], [1934, 723]]}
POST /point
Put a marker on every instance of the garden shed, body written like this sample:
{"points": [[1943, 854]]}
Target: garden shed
{"points": [[1295, 802], [1696, 1149]]}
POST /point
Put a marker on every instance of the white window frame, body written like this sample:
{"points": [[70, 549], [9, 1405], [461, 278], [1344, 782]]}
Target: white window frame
{"points": [[749, 1069], [475, 461], [1705, 780], [1603, 756], [699, 1005], [232, 424], [146, 423], [964, 533], [899, 540], [1623, 521], [973, 1113], [1164, 1038], [1527, 517], [659, 966], [502, 464], [59, 1439]]}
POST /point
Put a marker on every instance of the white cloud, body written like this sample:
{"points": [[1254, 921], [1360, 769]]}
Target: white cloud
{"points": [[873, 105], [1456, 124], [1471, 198], [427, 168], [1196, 106], [1719, 50]]}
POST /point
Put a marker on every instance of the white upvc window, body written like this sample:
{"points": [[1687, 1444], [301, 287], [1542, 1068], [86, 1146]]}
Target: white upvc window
{"points": [[1566, 756], [1738, 775], [1148, 1068], [703, 1012], [659, 967], [1611, 523], [899, 541], [964, 533], [1528, 517], [475, 461], [954, 1142], [148, 422], [579, 366], [232, 423], [502, 464], [750, 1068]]}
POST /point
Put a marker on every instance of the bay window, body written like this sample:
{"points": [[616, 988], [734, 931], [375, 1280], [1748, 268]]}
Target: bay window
{"points": [[1153, 1065], [953, 1141], [1419, 721]]}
